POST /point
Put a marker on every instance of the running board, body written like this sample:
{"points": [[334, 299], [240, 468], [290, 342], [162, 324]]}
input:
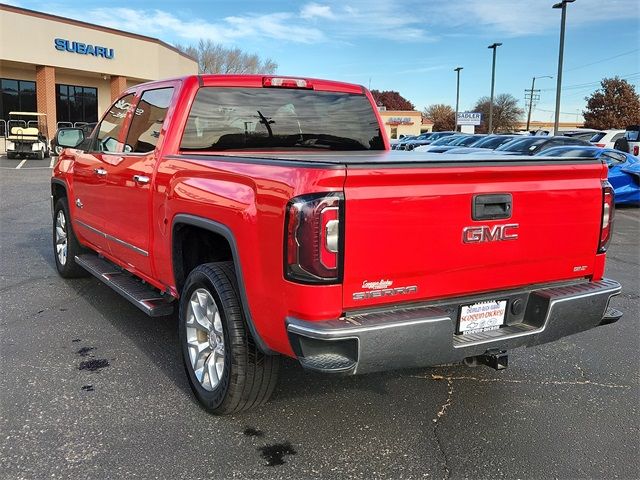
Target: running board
{"points": [[142, 295]]}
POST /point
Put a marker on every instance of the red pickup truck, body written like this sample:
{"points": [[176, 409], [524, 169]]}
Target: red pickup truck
{"points": [[272, 213]]}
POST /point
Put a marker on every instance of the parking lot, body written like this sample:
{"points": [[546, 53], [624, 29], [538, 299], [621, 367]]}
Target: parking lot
{"points": [[93, 388]]}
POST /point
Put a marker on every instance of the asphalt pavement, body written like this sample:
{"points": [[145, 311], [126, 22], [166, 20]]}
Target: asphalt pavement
{"points": [[90, 387]]}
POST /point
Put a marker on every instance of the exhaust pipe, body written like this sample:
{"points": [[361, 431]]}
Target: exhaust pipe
{"points": [[496, 359]]}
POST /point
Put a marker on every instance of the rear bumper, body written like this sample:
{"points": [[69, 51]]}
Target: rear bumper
{"points": [[425, 335]]}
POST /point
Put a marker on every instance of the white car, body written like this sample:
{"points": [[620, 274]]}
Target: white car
{"points": [[606, 138]]}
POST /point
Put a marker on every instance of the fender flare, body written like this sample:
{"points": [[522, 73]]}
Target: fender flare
{"points": [[224, 231]]}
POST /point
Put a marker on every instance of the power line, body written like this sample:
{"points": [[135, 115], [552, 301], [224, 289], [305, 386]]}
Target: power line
{"points": [[602, 60], [590, 84]]}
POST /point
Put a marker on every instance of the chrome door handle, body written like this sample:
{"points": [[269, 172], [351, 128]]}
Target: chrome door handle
{"points": [[101, 172], [141, 179]]}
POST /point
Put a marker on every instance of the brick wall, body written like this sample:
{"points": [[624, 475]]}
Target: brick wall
{"points": [[46, 95], [118, 85]]}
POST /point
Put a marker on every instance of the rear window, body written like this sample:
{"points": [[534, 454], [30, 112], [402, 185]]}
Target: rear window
{"points": [[243, 119], [597, 137], [524, 145], [632, 135]]}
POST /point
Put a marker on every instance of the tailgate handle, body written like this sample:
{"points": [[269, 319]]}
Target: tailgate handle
{"points": [[492, 207]]}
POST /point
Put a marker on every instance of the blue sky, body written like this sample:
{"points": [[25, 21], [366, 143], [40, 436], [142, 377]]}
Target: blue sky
{"points": [[409, 46]]}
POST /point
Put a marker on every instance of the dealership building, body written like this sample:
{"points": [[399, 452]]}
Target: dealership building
{"points": [[72, 70]]}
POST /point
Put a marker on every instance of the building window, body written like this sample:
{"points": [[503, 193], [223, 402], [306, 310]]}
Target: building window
{"points": [[17, 96], [76, 104]]}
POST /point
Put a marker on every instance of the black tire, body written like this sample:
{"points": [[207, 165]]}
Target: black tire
{"points": [[69, 268], [249, 376]]}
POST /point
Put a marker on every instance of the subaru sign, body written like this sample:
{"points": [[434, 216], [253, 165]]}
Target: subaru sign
{"points": [[83, 48], [469, 118]]}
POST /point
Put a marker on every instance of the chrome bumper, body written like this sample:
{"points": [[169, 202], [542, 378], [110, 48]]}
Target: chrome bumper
{"points": [[425, 335]]}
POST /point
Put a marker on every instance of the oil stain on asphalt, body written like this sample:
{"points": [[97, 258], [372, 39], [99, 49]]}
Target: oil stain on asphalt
{"points": [[274, 454], [87, 388], [94, 365], [253, 432], [84, 351]]}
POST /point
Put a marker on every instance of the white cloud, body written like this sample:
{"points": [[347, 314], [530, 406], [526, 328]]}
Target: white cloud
{"points": [[314, 10]]}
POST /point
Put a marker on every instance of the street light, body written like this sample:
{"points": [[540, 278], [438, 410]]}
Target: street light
{"points": [[562, 5], [533, 86], [457, 70], [493, 83]]}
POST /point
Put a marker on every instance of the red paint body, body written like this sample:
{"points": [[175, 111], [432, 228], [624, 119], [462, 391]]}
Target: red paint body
{"points": [[403, 222]]}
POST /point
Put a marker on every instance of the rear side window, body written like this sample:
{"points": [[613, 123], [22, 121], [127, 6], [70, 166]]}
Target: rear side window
{"points": [[244, 119], [111, 124], [148, 119], [597, 137]]}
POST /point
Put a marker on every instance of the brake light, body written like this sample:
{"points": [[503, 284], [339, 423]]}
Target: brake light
{"points": [[313, 238], [284, 82], [636, 150], [601, 145], [608, 211]]}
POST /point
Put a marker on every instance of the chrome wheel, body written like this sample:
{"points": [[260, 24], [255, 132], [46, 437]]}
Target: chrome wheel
{"points": [[205, 339], [61, 237]]}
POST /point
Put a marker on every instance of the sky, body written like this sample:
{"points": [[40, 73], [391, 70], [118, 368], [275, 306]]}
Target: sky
{"points": [[410, 46]]}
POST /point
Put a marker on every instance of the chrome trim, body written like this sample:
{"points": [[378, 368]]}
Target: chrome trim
{"points": [[111, 237], [141, 179]]}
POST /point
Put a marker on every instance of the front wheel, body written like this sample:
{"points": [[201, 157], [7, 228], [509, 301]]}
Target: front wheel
{"points": [[65, 243], [226, 370]]}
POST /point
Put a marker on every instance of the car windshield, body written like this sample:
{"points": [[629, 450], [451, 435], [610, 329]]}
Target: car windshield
{"points": [[522, 145], [570, 152], [492, 141], [448, 140], [245, 119]]}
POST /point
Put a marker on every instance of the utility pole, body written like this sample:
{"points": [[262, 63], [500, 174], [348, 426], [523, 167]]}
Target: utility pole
{"points": [[562, 5], [532, 95], [457, 70], [494, 47]]}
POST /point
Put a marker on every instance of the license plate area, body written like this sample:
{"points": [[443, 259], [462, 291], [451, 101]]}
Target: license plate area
{"points": [[481, 316]]}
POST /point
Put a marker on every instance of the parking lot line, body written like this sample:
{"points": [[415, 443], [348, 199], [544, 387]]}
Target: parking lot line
{"points": [[52, 162], [21, 164]]}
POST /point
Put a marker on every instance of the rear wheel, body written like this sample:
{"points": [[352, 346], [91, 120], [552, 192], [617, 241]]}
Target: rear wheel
{"points": [[226, 370], [65, 244]]}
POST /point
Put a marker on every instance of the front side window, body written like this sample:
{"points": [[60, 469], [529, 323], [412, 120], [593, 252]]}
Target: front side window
{"points": [[245, 119], [147, 120], [111, 125]]}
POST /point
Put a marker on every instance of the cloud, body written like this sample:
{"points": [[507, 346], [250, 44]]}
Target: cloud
{"points": [[314, 10]]}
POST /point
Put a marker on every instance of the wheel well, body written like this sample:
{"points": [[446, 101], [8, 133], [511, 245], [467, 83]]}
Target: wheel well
{"points": [[58, 191], [193, 246]]}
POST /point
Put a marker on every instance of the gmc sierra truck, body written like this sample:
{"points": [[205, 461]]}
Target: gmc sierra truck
{"points": [[271, 213]]}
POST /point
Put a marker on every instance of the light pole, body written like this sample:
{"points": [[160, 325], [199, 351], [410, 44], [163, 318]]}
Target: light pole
{"points": [[562, 5], [457, 70], [494, 47], [532, 93]]}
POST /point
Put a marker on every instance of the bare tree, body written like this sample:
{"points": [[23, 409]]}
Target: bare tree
{"points": [[442, 116], [214, 58], [506, 113]]}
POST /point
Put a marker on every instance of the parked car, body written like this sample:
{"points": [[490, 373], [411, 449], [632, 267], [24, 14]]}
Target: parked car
{"points": [[581, 133], [490, 142], [417, 142], [442, 141], [399, 145], [624, 169], [606, 138], [459, 141], [631, 139], [269, 212], [533, 145]]}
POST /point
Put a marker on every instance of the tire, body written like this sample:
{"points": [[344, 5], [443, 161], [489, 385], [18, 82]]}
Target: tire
{"points": [[240, 378], [66, 264], [40, 154]]}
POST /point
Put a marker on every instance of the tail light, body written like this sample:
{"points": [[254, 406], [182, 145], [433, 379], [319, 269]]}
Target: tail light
{"points": [[636, 150], [608, 210], [601, 145], [313, 242]]}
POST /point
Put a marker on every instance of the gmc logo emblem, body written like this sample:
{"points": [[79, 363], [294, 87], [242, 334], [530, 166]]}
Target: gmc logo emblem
{"points": [[485, 233]]}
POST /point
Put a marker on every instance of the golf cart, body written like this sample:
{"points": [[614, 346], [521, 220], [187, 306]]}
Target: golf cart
{"points": [[27, 135]]}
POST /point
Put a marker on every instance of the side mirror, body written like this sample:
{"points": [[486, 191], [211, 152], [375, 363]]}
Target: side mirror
{"points": [[69, 137]]}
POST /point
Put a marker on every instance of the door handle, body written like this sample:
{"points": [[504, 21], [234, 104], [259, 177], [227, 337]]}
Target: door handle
{"points": [[101, 172], [141, 179], [492, 206]]}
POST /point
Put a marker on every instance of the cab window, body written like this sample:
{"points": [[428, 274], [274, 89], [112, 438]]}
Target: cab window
{"points": [[147, 120], [108, 130]]}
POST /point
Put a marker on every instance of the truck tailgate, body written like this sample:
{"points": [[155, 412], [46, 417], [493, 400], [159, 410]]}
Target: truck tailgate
{"points": [[405, 237]]}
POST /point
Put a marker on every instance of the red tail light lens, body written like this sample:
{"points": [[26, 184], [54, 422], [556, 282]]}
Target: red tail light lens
{"points": [[601, 145], [313, 238], [608, 211], [636, 150]]}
